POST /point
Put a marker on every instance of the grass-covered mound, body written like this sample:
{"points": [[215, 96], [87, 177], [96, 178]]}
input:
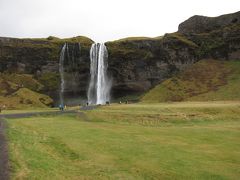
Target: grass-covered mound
{"points": [[205, 80], [25, 80], [25, 98], [134, 141], [19, 91]]}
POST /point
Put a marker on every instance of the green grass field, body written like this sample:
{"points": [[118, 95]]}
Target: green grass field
{"points": [[190, 140]]}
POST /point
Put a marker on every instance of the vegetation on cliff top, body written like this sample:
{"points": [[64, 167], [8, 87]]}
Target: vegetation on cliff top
{"points": [[41, 49], [180, 37], [146, 48], [78, 39], [205, 80], [138, 48], [135, 39]]}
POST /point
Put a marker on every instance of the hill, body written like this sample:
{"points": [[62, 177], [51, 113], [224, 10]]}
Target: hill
{"points": [[21, 91], [205, 80]]}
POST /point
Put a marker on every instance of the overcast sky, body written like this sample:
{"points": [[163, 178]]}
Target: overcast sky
{"points": [[103, 20]]}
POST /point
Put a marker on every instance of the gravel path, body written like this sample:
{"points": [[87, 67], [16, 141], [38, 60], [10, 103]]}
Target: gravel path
{"points": [[85, 108], [4, 166], [23, 115]]}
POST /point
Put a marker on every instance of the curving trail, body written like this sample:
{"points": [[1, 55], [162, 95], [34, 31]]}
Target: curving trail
{"points": [[4, 165]]}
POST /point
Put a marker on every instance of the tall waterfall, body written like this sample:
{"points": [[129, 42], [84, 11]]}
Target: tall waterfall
{"points": [[61, 71], [99, 86]]}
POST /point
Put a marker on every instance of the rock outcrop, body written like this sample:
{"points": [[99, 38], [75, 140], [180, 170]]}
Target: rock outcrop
{"points": [[202, 24], [139, 64]]}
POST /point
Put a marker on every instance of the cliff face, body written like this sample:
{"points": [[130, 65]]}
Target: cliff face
{"points": [[202, 24], [217, 37], [138, 64], [40, 58], [135, 64]]}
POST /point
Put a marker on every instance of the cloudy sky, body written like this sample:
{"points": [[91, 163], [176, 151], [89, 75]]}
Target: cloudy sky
{"points": [[103, 20]]}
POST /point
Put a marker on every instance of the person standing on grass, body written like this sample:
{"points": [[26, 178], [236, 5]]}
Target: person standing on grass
{"points": [[60, 107]]}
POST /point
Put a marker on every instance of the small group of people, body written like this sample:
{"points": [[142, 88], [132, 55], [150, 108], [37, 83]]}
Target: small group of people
{"points": [[62, 107], [107, 103]]}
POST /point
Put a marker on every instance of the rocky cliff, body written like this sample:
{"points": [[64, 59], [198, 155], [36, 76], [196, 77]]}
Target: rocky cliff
{"points": [[135, 64], [203, 24], [138, 64], [40, 58]]}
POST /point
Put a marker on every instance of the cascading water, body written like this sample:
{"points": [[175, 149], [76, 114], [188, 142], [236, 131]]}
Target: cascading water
{"points": [[61, 71], [100, 84]]}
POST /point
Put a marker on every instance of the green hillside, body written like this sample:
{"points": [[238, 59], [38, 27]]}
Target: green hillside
{"points": [[206, 80], [19, 91]]}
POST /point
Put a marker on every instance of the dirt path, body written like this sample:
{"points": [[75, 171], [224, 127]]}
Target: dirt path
{"points": [[23, 115], [4, 166], [86, 108]]}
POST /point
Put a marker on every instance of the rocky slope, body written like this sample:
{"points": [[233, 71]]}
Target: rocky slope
{"points": [[135, 64], [205, 80]]}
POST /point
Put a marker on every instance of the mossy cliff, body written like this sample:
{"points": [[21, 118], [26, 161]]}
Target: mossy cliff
{"points": [[40, 59], [205, 80], [139, 64], [136, 64]]}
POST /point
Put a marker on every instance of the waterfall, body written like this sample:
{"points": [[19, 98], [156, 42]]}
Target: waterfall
{"points": [[99, 86], [61, 71]]}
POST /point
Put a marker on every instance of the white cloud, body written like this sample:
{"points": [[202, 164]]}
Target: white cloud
{"points": [[102, 20]]}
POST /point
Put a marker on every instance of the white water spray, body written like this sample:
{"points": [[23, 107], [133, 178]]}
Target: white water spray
{"points": [[61, 71], [100, 84]]}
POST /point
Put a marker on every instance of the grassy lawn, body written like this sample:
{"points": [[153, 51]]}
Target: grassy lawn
{"points": [[192, 140]]}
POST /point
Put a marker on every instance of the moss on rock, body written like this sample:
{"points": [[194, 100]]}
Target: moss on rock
{"points": [[25, 98], [207, 79], [23, 80], [50, 81]]}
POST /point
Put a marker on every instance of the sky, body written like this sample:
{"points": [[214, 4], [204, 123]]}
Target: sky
{"points": [[103, 20]]}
